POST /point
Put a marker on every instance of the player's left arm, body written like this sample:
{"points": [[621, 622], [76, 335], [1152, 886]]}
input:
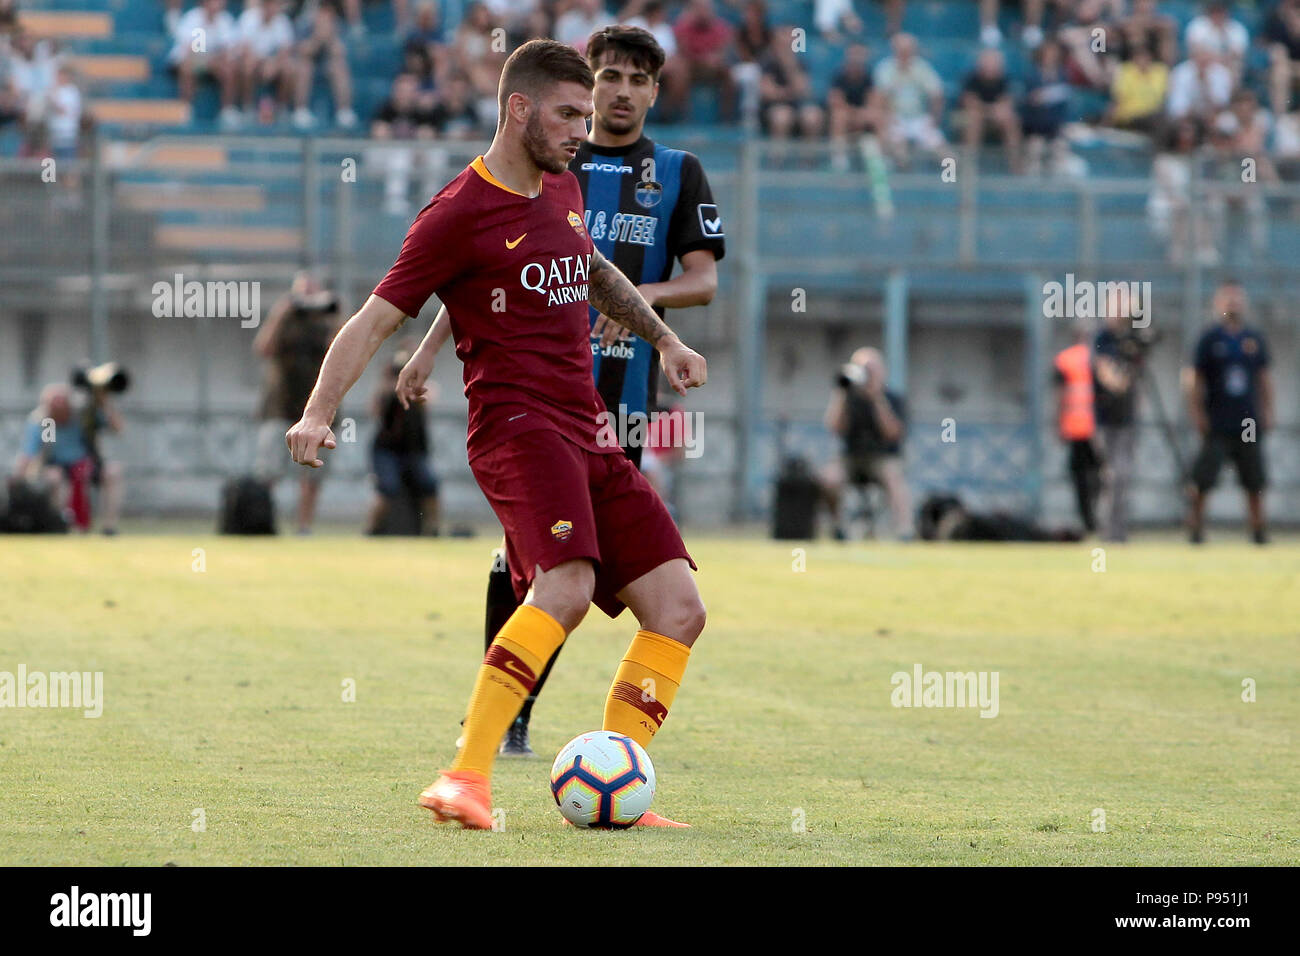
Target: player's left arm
{"points": [[614, 295], [696, 284]]}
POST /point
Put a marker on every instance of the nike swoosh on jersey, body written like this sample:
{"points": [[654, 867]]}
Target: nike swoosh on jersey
{"points": [[511, 245]]}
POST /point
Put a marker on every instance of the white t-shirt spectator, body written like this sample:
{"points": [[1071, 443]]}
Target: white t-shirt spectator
{"points": [[35, 76], [1190, 93], [1229, 40], [65, 115], [908, 90], [264, 39], [575, 27], [218, 35], [827, 14], [1286, 136], [663, 32]]}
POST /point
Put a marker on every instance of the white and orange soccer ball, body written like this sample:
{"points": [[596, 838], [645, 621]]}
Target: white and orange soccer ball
{"points": [[602, 779]]}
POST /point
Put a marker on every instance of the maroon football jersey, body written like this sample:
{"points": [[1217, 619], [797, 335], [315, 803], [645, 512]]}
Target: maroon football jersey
{"points": [[512, 271]]}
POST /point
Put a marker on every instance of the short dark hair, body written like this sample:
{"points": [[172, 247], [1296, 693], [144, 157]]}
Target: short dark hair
{"points": [[639, 47], [538, 65]]}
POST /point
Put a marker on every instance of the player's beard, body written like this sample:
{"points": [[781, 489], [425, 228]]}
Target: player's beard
{"points": [[539, 150]]}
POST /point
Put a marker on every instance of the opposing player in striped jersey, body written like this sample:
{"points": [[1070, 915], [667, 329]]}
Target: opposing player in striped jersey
{"points": [[647, 206]]}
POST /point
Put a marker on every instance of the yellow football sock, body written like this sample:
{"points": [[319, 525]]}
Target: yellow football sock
{"points": [[509, 670], [645, 685]]}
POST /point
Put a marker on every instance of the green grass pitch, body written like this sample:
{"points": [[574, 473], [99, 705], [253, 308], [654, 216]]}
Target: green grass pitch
{"points": [[1119, 690]]}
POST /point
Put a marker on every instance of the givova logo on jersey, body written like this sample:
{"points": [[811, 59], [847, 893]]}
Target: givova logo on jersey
{"points": [[562, 281]]}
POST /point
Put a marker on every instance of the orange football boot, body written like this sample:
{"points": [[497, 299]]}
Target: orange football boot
{"points": [[462, 796]]}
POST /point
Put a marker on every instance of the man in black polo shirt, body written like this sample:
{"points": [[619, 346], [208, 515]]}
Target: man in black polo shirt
{"points": [[1231, 400]]}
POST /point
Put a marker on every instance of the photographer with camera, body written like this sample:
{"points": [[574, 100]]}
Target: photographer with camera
{"points": [[60, 452], [399, 456], [870, 421], [293, 341], [1118, 354]]}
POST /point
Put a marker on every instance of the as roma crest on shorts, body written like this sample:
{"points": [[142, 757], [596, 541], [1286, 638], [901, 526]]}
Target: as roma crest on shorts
{"points": [[576, 222], [562, 530]]}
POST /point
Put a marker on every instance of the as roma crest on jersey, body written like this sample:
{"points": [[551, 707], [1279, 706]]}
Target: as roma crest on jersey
{"points": [[576, 222], [1249, 346], [561, 530]]}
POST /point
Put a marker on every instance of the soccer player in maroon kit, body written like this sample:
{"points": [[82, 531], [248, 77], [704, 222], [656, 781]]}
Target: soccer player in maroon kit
{"points": [[504, 247]]}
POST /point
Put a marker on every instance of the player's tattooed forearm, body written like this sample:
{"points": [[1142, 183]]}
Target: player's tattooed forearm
{"points": [[613, 294]]}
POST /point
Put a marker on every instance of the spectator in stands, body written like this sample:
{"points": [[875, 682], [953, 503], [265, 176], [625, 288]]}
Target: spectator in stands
{"points": [[579, 22], [854, 110], [753, 38], [1137, 94], [1200, 86], [64, 115], [399, 455], [455, 115], [911, 97], [1282, 31], [1146, 27], [705, 41], [870, 419], [423, 49], [324, 43], [515, 16], [1240, 135], [1088, 38], [8, 20], [833, 16], [1169, 207], [401, 116], [652, 16], [172, 10], [205, 41], [1286, 146], [478, 54], [33, 70], [1045, 108], [1223, 36], [986, 98], [10, 99], [1032, 33], [785, 92], [265, 58]]}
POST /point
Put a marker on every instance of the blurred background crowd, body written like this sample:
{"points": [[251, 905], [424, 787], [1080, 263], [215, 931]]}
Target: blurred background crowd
{"points": [[1031, 78]]}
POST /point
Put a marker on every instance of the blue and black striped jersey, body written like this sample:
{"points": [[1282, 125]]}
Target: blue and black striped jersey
{"points": [[646, 207]]}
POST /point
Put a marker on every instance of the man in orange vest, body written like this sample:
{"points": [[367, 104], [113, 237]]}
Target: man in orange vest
{"points": [[1077, 424]]}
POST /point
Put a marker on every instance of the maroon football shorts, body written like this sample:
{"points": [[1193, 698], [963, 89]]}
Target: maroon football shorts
{"points": [[558, 502]]}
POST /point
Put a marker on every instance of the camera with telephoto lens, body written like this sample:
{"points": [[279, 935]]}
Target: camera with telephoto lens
{"points": [[1135, 343], [109, 376], [852, 374]]}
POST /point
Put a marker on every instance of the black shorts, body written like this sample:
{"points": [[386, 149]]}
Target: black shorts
{"points": [[1247, 457]]}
